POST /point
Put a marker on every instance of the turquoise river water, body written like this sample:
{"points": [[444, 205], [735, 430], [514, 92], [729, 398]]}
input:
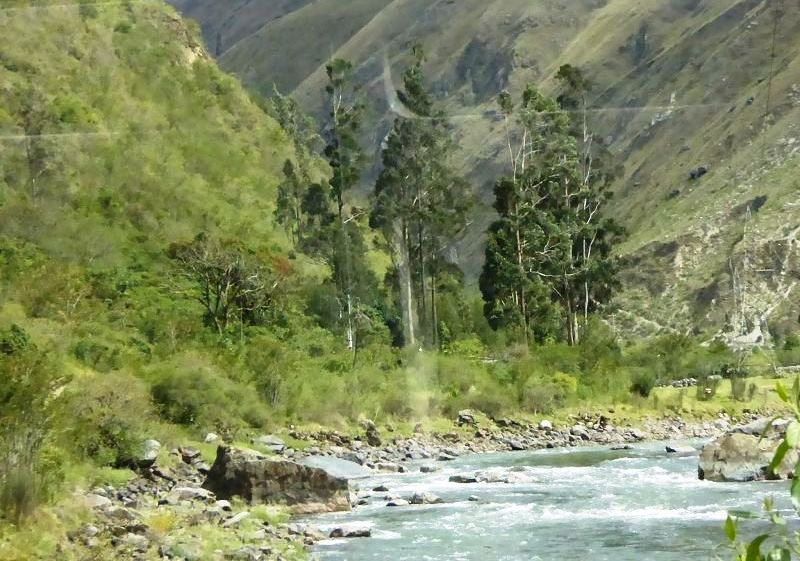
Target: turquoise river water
{"points": [[576, 504]]}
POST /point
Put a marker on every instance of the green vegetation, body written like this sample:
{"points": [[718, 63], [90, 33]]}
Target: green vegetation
{"points": [[176, 258]]}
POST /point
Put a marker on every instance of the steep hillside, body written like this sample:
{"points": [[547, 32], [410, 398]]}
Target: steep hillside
{"points": [[119, 136], [677, 85]]}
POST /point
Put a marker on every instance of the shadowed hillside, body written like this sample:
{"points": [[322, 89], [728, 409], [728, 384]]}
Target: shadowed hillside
{"points": [[677, 85]]}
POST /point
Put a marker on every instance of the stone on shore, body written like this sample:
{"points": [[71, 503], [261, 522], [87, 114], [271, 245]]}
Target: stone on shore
{"points": [[257, 478]]}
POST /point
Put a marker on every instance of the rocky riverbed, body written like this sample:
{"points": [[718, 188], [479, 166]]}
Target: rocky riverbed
{"points": [[184, 509]]}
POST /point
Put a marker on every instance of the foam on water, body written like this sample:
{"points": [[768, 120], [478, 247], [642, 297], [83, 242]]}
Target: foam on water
{"points": [[560, 504]]}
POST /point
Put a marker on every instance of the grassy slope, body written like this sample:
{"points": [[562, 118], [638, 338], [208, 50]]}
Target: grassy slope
{"points": [[712, 55]]}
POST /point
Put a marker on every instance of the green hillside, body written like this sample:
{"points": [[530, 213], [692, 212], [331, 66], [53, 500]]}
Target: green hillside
{"points": [[676, 85]]}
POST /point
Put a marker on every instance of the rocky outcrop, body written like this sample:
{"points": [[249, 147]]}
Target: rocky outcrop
{"points": [[738, 456], [257, 478]]}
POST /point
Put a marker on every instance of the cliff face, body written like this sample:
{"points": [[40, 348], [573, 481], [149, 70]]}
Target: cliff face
{"points": [[678, 85]]}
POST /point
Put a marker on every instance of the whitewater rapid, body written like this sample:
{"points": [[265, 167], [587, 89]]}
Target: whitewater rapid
{"points": [[568, 504]]}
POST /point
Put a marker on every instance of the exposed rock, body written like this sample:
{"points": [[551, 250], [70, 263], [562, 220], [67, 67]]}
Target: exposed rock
{"points": [[498, 476], [93, 500], [429, 468], [372, 433], [759, 427], [462, 479], [580, 431], [743, 457], [474, 498], [466, 417], [149, 455], [425, 499], [337, 467], [261, 479], [681, 450], [381, 489], [397, 502], [389, 467], [545, 425], [444, 457], [192, 494], [270, 442], [236, 519], [211, 437], [351, 532]]}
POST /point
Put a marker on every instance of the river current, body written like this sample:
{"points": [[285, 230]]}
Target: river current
{"points": [[567, 504]]}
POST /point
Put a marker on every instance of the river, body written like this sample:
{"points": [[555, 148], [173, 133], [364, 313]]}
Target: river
{"points": [[565, 504]]}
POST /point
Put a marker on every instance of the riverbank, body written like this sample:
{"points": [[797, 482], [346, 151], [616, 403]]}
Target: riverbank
{"points": [[163, 512], [383, 451]]}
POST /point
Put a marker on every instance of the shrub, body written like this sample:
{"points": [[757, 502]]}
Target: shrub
{"points": [[707, 387], [28, 380], [109, 416], [191, 391], [643, 382]]}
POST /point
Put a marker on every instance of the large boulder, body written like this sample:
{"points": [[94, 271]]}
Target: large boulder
{"points": [[258, 479], [743, 457]]}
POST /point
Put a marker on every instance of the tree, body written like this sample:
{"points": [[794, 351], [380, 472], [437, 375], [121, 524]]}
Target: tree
{"points": [[420, 202], [298, 171], [229, 281], [549, 244]]}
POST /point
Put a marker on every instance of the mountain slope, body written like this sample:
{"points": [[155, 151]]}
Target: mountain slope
{"points": [[677, 85]]}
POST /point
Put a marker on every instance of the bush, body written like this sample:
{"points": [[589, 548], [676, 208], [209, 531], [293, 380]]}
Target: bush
{"points": [[191, 391], [28, 380], [109, 416], [643, 382], [707, 387]]}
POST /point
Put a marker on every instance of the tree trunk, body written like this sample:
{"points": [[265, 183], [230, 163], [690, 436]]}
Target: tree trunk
{"points": [[423, 312], [405, 289], [434, 313]]}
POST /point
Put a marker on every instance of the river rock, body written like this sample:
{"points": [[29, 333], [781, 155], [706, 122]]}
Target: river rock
{"points": [[262, 479], [743, 457], [96, 501], [759, 428], [191, 494], [389, 467], [429, 468], [397, 502], [425, 499], [351, 532], [149, 455], [462, 479], [466, 417], [681, 450], [372, 433], [580, 431], [270, 442], [474, 498], [337, 467]]}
